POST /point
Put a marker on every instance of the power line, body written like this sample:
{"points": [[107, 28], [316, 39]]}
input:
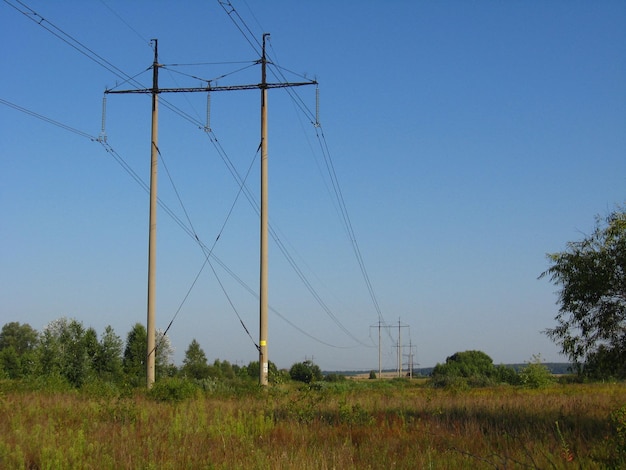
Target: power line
{"points": [[189, 231], [48, 120], [248, 35], [93, 56]]}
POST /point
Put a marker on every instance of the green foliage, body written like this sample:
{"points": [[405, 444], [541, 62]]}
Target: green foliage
{"points": [[10, 363], [306, 372], [108, 357], [22, 338], [274, 375], [17, 350], [612, 455], [195, 363], [334, 377], [591, 323], [164, 367], [64, 350], [134, 362], [536, 374], [467, 368], [507, 375], [136, 352], [618, 437], [173, 389], [372, 375]]}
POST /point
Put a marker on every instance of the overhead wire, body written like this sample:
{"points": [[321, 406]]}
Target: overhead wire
{"points": [[189, 231], [89, 53], [277, 71], [67, 38]]}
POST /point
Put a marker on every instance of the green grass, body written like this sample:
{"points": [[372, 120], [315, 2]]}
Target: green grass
{"points": [[345, 425]]}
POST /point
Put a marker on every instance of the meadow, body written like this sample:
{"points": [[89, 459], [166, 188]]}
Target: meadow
{"points": [[375, 424]]}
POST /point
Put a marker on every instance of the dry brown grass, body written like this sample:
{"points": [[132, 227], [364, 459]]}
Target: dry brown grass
{"points": [[374, 425]]}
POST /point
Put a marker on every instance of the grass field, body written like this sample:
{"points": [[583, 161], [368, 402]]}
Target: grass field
{"points": [[379, 424]]}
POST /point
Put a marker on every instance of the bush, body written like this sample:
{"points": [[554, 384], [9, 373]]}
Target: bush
{"points": [[306, 372], [618, 438], [507, 375], [467, 368], [173, 389], [535, 374], [334, 377]]}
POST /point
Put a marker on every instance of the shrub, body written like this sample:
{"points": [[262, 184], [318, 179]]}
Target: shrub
{"points": [[536, 374], [333, 377], [618, 439], [507, 375], [306, 372], [473, 368], [173, 389]]}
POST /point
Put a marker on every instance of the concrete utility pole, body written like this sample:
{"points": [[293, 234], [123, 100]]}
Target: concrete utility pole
{"points": [[263, 294], [410, 356], [380, 369], [379, 325], [154, 161], [263, 291]]}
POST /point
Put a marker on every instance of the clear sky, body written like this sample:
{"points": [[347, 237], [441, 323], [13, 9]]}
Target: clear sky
{"points": [[469, 139]]}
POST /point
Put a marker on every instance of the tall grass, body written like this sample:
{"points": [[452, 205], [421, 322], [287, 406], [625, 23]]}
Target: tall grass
{"points": [[344, 425]]}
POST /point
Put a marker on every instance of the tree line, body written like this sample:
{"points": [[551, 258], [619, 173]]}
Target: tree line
{"points": [[66, 350], [590, 330]]}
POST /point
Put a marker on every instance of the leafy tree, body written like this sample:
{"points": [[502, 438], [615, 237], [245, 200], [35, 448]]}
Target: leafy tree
{"points": [[64, 350], [108, 357], [134, 362], [507, 375], [135, 354], [17, 346], [591, 323], [23, 338], [10, 363], [474, 368], [306, 372], [195, 363], [274, 375], [226, 369], [164, 365]]}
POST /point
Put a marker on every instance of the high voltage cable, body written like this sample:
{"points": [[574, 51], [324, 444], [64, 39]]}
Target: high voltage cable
{"points": [[139, 35], [84, 50], [68, 39], [48, 120], [250, 38], [211, 80], [232, 13], [190, 232]]}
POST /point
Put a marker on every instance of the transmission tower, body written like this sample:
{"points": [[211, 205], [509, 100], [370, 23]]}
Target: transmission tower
{"points": [[263, 290]]}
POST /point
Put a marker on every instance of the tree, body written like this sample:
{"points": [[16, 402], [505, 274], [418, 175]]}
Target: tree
{"points": [[274, 375], [17, 346], [134, 361], [591, 273], [195, 363], [306, 372], [473, 368], [135, 355], [164, 365], [23, 338], [108, 358], [64, 350]]}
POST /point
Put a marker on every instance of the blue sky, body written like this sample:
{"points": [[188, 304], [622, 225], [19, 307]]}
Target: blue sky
{"points": [[468, 138]]}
